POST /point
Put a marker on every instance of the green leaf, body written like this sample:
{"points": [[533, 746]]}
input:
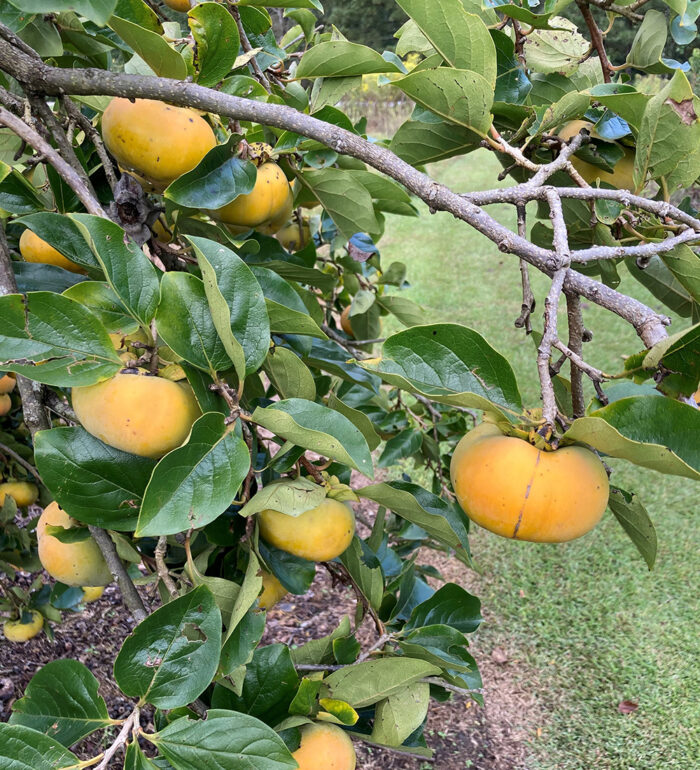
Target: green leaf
{"points": [[648, 44], [358, 418], [95, 10], [268, 688], [138, 12], [684, 263], [165, 61], [104, 303], [624, 100], [284, 320], [461, 97], [396, 717], [451, 606], [185, 323], [90, 480], [656, 433], [450, 364], [289, 375], [557, 50], [345, 198], [321, 650], [634, 519], [461, 38], [37, 276], [17, 195], [239, 646], [293, 496], [135, 759], [216, 36], [295, 574], [194, 484], [419, 142], [61, 701], [340, 58], [663, 284], [316, 427], [512, 84], [407, 311], [679, 355], [22, 748], [304, 701], [129, 272], [231, 741], [368, 579], [66, 343], [237, 304], [247, 596], [172, 655], [371, 681], [283, 4], [225, 592], [404, 444], [64, 235], [220, 177], [444, 521]]}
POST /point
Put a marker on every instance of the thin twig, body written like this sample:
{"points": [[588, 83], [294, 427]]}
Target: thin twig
{"points": [[528, 303], [247, 47], [18, 458], [163, 573], [575, 319], [131, 723], [596, 39], [132, 598]]}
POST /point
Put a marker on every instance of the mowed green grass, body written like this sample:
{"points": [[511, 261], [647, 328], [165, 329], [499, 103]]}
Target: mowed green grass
{"points": [[589, 624]]}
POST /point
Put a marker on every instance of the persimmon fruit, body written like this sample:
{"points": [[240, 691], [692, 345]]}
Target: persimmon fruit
{"points": [[24, 492], [319, 534], [137, 413], [7, 383], [35, 249], [17, 631], [272, 591], [266, 201], [325, 747], [155, 140], [622, 177], [508, 486], [75, 564]]}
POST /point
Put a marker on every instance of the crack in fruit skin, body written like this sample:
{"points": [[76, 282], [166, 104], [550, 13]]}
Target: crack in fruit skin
{"points": [[75, 564], [511, 488], [137, 413], [319, 534]]}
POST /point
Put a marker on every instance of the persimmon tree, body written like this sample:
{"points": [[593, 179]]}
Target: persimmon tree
{"points": [[193, 394]]}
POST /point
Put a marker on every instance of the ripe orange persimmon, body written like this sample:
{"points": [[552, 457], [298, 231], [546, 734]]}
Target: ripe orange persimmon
{"points": [[345, 323], [272, 591], [5, 404], [268, 199], [138, 413], [7, 383], [155, 140], [515, 490]]}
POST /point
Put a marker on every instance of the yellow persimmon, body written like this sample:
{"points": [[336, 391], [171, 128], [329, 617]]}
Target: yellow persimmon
{"points": [[24, 492], [325, 747], [35, 249], [272, 591], [320, 534], [145, 415], [268, 199], [92, 593], [75, 564], [155, 140], [17, 631], [621, 177]]}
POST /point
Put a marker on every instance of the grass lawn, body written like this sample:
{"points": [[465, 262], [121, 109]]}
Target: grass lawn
{"points": [[591, 624]]}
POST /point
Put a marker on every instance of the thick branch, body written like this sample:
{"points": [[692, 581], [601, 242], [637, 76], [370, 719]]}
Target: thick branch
{"points": [[52, 80]]}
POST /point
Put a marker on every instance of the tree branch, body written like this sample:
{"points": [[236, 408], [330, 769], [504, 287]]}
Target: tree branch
{"points": [[596, 39], [573, 311], [162, 568], [66, 171], [33, 74]]}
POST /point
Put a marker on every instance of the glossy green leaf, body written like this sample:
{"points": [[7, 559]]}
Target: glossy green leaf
{"points": [[451, 606], [220, 177], [129, 272], [512, 84], [225, 592], [284, 320], [195, 483], [104, 303], [444, 521], [358, 418], [231, 741], [17, 195], [679, 355], [216, 35], [64, 339], [164, 60], [663, 284], [92, 481], [185, 323], [656, 433], [321, 650], [238, 648], [371, 681], [295, 574], [268, 688], [135, 759], [340, 58], [404, 444], [37, 276], [172, 655], [236, 302], [450, 364], [61, 701], [396, 717], [95, 10], [316, 427], [293, 496], [684, 263], [22, 748], [461, 38], [461, 97], [635, 520], [368, 579], [64, 235]]}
